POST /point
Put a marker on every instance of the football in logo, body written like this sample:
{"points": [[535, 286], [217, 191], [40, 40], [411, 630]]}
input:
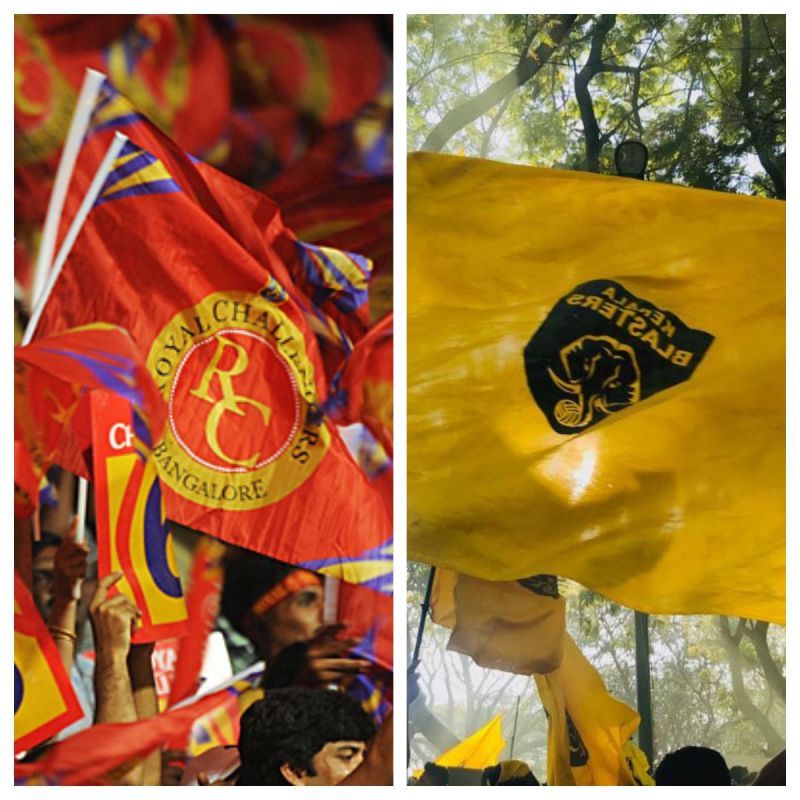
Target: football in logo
{"points": [[601, 350]]}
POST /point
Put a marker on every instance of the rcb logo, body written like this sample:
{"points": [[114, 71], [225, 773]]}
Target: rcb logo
{"points": [[601, 349], [240, 398]]}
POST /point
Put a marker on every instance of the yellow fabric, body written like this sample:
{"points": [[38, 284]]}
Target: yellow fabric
{"points": [[674, 504], [603, 724], [499, 624], [443, 598], [513, 769], [481, 749], [637, 764]]}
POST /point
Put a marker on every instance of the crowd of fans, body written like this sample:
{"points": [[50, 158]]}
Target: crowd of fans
{"points": [[298, 726]]}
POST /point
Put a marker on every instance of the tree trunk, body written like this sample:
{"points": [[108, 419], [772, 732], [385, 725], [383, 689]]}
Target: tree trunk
{"points": [[757, 633], [764, 149], [593, 65], [455, 119], [730, 641]]}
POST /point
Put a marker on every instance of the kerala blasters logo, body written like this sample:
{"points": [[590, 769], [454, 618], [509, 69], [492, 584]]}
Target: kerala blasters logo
{"points": [[600, 375], [602, 350], [244, 429]]}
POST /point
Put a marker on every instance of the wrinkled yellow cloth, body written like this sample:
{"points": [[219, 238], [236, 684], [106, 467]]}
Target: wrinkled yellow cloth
{"points": [[596, 384]]}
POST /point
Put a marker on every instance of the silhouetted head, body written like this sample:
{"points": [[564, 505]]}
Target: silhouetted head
{"points": [[693, 766]]}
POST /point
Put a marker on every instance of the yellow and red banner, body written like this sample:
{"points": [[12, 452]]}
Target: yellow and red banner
{"points": [[247, 455], [52, 379], [44, 700], [131, 526]]}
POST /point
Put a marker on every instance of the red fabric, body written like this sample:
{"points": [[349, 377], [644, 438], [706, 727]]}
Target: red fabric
{"points": [[202, 600], [51, 418], [363, 392], [91, 754], [326, 509], [249, 216], [368, 616], [37, 715], [326, 67]]}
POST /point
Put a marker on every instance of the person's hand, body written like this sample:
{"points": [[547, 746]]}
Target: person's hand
{"points": [[114, 619], [327, 659], [70, 566]]}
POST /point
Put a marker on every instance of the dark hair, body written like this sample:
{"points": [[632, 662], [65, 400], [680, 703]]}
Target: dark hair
{"points": [[290, 726], [693, 766], [46, 540], [248, 576]]}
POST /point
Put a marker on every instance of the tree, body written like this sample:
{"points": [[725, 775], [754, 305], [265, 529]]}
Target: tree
{"points": [[704, 92]]}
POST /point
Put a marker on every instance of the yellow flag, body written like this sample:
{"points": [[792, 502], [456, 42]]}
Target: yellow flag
{"points": [[514, 626], [588, 729], [481, 749], [596, 384]]}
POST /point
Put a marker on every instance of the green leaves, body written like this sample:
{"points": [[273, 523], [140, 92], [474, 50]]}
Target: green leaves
{"points": [[670, 80]]}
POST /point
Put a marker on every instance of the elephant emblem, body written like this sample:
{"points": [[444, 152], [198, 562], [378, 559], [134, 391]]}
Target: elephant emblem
{"points": [[600, 375]]}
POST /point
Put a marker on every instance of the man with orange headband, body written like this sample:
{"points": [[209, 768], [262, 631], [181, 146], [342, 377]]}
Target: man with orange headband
{"points": [[279, 608]]}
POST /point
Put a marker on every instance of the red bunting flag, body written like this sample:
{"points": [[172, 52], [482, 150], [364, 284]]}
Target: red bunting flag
{"points": [[367, 612], [44, 700]]}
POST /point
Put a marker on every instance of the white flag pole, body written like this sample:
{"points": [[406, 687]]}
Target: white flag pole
{"points": [[92, 82], [86, 206], [331, 600]]}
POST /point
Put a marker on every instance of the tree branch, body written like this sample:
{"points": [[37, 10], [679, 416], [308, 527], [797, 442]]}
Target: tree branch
{"points": [[462, 115], [730, 642], [757, 634], [593, 65], [762, 148]]}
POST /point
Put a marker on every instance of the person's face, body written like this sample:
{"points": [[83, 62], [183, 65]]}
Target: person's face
{"points": [[331, 765], [295, 619], [43, 568]]}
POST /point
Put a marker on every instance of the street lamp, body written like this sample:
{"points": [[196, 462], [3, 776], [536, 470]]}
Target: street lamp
{"points": [[630, 158]]}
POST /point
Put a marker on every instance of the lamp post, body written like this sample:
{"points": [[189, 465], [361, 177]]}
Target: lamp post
{"points": [[630, 159]]}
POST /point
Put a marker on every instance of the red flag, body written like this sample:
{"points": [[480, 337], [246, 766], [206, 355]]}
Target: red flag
{"points": [[202, 600], [367, 612], [327, 285], [246, 456], [363, 390], [131, 528], [89, 755], [52, 377], [327, 68], [44, 700]]}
